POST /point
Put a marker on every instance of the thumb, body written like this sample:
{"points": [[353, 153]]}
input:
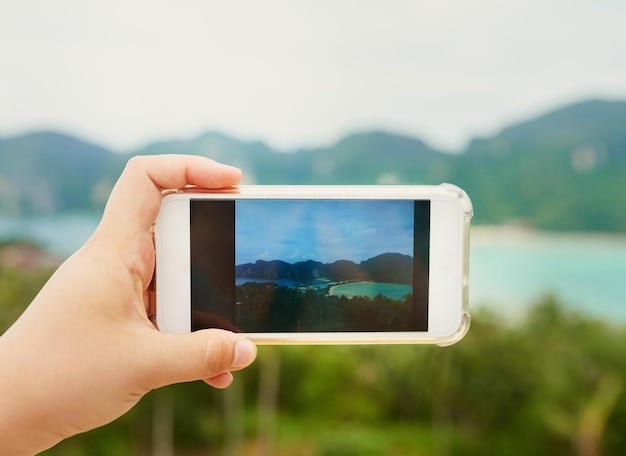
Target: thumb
{"points": [[200, 355]]}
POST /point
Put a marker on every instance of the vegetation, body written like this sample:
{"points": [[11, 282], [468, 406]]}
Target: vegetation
{"points": [[17, 289], [266, 307], [552, 383]]}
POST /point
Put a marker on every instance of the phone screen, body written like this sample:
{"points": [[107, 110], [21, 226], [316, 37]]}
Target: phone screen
{"points": [[302, 265]]}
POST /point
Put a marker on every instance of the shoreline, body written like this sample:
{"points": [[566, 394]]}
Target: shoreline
{"points": [[331, 290], [481, 235]]}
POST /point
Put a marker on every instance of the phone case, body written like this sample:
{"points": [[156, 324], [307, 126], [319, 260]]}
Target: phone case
{"points": [[468, 213], [443, 191]]}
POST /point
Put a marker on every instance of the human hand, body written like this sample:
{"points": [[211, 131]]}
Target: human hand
{"points": [[85, 352]]}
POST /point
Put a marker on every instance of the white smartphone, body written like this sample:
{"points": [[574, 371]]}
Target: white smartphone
{"points": [[316, 264]]}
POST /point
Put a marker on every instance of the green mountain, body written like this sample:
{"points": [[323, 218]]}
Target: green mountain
{"points": [[364, 158], [562, 170], [376, 158], [46, 172], [384, 268]]}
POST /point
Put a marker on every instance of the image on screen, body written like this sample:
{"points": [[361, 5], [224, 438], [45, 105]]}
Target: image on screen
{"points": [[267, 266]]}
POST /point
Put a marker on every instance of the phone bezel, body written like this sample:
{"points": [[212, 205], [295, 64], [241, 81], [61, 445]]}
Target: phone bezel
{"points": [[448, 268]]}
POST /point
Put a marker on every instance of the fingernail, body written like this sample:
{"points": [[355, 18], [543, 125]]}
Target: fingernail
{"points": [[245, 352]]}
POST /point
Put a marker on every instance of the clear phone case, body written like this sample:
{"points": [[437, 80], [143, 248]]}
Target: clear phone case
{"points": [[444, 192]]}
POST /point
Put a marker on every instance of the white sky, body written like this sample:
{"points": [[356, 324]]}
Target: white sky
{"points": [[301, 73]]}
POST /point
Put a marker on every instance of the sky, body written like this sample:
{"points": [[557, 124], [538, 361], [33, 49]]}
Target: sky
{"points": [[301, 74], [321, 230]]}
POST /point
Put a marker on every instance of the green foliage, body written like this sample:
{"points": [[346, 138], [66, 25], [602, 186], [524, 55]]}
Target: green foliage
{"points": [[17, 290], [267, 307], [550, 383]]}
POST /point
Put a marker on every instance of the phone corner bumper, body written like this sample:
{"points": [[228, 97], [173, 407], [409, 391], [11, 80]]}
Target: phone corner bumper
{"points": [[459, 333]]}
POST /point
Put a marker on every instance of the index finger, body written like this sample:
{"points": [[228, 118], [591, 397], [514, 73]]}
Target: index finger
{"points": [[136, 197]]}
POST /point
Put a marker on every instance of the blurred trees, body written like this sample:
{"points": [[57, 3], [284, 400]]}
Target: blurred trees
{"points": [[267, 307], [552, 383], [17, 289]]}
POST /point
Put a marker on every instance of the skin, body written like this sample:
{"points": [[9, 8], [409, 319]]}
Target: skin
{"points": [[85, 351]]}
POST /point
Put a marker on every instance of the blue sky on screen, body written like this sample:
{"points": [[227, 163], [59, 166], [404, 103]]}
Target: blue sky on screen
{"points": [[321, 230]]}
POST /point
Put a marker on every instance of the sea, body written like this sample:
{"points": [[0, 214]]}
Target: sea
{"points": [[371, 289], [510, 268]]}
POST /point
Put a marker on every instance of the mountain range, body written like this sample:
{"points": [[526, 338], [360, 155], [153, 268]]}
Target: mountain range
{"points": [[564, 170], [384, 268]]}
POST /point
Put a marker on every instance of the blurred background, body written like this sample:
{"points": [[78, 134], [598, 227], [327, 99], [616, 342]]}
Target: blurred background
{"points": [[521, 103]]}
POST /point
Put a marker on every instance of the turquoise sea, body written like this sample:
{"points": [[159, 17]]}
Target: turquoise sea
{"points": [[61, 235], [509, 268], [512, 268], [371, 289]]}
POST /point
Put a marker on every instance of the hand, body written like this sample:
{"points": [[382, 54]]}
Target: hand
{"points": [[85, 352]]}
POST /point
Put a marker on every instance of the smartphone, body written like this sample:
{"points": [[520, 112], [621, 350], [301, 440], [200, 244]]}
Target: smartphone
{"points": [[316, 264]]}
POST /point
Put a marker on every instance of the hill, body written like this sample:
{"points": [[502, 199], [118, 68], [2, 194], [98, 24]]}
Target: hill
{"points": [[363, 158], [562, 170], [385, 268], [47, 172]]}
